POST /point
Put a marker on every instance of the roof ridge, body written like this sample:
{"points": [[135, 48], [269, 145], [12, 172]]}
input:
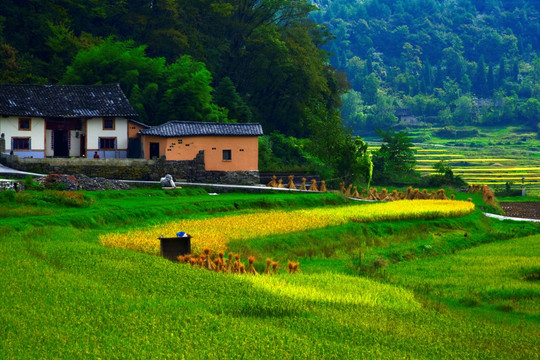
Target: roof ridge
{"points": [[51, 85], [201, 128], [206, 122]]}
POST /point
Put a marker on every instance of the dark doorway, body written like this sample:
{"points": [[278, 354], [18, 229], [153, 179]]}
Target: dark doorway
{"points": [[154, 150], [83, 145], [61, 144], [134, 148]]}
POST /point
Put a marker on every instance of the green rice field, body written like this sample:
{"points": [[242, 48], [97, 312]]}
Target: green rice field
{"points": [[430, 288], [494, 157], [492, 166]]}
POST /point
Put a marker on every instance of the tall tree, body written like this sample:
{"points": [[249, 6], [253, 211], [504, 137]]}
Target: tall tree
{"points": [[227, 97], [394, 162], [159, 92]]}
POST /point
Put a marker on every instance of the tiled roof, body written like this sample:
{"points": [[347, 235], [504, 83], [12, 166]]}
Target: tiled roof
{"points": [[191, 128], [66, 101]]}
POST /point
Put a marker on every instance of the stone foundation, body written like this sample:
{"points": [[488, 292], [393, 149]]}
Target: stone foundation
{"points": [[11, 185], [132, 169]]}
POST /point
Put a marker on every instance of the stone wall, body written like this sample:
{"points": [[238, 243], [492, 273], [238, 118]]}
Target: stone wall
{"points": [[132, 169], [11, 185]]}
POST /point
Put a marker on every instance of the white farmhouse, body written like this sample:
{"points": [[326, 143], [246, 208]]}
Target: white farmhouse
{"points": [[66, 120]]}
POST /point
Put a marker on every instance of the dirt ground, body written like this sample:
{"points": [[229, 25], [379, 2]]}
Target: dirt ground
{"points": [[528, 210]]}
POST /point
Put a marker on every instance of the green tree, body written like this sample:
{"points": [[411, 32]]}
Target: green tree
{"points": [[159, 92], [188, 94], [394, 162], [124, 63], [530, 112], [360, 166], [480, 78], [444, 176], [227, 97], [370, 89], [463, 113], [330, 139], [352, 111]]}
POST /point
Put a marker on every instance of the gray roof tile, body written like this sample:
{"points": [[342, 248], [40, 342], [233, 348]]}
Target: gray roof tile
{"points": [[192, 128], [67, 101]]}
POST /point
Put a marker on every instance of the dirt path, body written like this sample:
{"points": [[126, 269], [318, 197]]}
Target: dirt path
{"points": [[529, 210]]}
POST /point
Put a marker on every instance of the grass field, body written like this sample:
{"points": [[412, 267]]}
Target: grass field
{"points": [[64, 295]]}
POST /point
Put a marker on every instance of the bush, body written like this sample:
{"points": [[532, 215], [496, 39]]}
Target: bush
{"points": [[30, 184], [450, 132], [444, 177], [280, 153]]}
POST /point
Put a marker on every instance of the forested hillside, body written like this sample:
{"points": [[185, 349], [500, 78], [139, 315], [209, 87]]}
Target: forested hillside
{"points": [[450, 62], [307, 71]]}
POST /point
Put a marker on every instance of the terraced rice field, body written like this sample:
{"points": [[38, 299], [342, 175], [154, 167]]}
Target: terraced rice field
{"points": [[491, 166], [216, 232]]}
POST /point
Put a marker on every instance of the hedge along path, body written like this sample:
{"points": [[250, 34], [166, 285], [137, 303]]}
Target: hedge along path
{"points": [[216, 232]]}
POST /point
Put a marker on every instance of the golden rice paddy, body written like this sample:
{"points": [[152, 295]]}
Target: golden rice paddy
{"points": [[432, 150], [216, 232], [466, 159], [440, 155]]}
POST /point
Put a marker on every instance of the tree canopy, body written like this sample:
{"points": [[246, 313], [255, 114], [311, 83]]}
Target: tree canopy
{"points": [[436, 52], [265, 54]]}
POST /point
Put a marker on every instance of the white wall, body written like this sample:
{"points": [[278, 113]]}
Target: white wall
{"points": [[94, 131], [10, 127]]}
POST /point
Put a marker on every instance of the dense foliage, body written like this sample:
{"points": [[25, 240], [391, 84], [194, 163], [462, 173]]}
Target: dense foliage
{"points": [[394, 161], [450, 62]]}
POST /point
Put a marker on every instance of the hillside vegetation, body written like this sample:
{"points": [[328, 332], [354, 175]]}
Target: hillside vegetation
{"points": [[262, 58], [451, 62]]}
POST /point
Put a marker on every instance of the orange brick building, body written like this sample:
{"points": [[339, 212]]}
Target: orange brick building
{"points": [[227, 147]]}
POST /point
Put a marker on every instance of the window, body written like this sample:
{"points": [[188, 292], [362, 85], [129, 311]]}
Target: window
{"points": [[107, 143], [241, 149], [20, 143], [227, 155], [179, 141], [108, 123], [25, 124]]}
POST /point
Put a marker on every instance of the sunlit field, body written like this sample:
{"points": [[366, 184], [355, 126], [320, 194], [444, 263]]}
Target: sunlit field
{"points": [[216, 232]]}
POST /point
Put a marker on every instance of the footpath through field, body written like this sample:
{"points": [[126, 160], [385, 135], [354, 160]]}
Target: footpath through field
{"points": [[500, 217]]}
